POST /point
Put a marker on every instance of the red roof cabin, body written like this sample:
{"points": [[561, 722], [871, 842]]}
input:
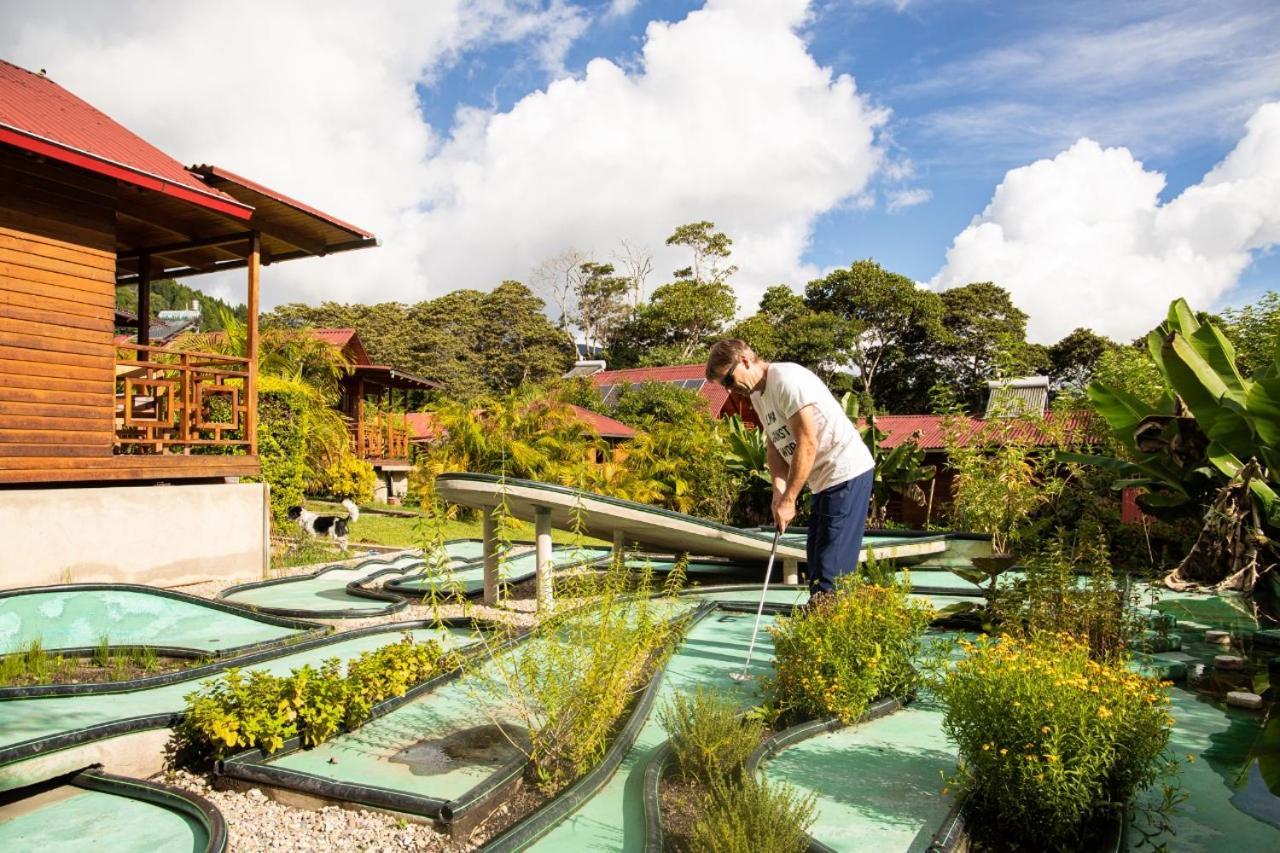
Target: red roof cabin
{"points": [[86, 207]]}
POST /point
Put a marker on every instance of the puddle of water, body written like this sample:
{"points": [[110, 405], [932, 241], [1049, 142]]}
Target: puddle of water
{"points": [[487, 746]]}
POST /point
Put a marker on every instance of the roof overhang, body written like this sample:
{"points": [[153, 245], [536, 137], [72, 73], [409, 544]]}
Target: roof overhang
{"points": [[44, 147], [391, 377]]}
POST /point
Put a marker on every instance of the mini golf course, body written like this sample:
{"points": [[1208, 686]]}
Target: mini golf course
{"points": [[448, 752]]}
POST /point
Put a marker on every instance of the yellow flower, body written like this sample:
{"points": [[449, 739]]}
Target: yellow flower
{"points": [[1104, 712], [985, 747], [1051, 758], [1044, 729], [1006, 752]]}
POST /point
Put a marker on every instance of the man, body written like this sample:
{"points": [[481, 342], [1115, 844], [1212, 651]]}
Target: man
{"points": [[812, 441]]}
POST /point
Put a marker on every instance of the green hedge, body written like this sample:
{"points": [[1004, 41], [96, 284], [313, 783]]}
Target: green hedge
{"points": [[282, 447]]}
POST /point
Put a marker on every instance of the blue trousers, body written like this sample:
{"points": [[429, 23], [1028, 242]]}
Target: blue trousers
{"points": [[837, 518]]}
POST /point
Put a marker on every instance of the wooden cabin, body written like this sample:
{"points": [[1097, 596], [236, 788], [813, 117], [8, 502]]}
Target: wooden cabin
{"points": [[90, 429], [373, 402]]}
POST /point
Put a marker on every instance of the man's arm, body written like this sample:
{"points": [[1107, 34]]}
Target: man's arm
{"points": [[805, 434]]}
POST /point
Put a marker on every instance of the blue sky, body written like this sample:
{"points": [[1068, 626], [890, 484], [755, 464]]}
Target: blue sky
{"points": [[934, 64], [1065, 150]]}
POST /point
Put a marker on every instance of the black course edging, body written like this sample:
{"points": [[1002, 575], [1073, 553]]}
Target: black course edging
{"points": [[75, 737], [193, 805]]}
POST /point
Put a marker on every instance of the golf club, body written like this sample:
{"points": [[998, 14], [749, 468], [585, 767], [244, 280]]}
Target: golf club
{"points": [[764, 591]]}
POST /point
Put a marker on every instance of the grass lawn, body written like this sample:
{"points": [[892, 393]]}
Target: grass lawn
{"points": [[401, 531]]}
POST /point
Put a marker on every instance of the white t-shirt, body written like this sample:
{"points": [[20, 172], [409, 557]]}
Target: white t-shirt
{"points": [[788, 388]]}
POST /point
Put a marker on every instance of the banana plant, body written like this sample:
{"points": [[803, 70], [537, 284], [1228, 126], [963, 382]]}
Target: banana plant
{"points": [[1213, 438], [1202, 431]]}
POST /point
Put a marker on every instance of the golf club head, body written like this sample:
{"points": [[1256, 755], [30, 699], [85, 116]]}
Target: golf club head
{"points": [[739, 677]]}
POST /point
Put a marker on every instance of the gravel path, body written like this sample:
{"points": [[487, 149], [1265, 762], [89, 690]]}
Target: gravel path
{"points": [[256, 824]]}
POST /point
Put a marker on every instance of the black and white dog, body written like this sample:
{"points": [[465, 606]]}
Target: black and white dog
{"points": [[334, 526]]}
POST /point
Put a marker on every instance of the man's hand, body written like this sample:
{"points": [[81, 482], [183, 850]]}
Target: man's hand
{"points": [[784, 510]]}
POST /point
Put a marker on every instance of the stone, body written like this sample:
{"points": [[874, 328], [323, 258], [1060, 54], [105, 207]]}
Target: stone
{"points": [[1243, 699], [1226, 662], [1222, 638]]}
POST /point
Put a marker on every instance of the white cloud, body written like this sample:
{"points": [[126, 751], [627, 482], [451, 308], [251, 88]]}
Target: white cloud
{"points": [[908, 197], [319, 101], [1083, 239], [727, 118]]}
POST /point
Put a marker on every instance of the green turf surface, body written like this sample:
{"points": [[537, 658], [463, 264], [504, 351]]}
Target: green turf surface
{"points": [[81, 618], [94, 821]]}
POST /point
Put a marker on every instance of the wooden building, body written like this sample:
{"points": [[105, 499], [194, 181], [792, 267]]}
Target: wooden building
{"points": [[373, 403], [86, 207]]}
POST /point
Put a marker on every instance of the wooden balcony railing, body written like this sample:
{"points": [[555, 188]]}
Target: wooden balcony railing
{"points": [[380, 437], [173, 402]]}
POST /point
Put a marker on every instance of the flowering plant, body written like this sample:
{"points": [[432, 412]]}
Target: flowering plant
{"points": [[1051, 742], [847, 650]]}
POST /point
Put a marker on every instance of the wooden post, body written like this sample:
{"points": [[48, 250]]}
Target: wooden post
{"points": [[791, 571], [360, 419], [144, 303], [490, 532], [542, 538], [619, 547], [251, 341]]}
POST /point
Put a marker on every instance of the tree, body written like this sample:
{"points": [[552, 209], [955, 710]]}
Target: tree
{"points": [[1074, 359], [382, 326], [515, 343], [786, 329], [1254, 330], [636, 263], [558, 280], [887, 317], [985, 337], [647, 403], [709, 249], [677, 325], [601, 299]]}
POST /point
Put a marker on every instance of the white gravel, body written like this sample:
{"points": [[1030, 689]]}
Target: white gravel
{"points": [[256, 823]]}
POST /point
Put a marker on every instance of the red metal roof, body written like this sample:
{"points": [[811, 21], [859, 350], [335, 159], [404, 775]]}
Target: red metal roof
{"points": [[219, 173], [715, 395], [931, 430], [606, 426], [38, 115]]}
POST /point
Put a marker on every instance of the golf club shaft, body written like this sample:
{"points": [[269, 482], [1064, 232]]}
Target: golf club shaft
{"points": [[764, 591]]}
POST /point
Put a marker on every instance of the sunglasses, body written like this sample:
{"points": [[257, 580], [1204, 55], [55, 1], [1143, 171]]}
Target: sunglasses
{"points": [[727, 379]]}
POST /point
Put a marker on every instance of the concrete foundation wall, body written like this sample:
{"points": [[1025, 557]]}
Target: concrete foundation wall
{"points": [[158, 535]]}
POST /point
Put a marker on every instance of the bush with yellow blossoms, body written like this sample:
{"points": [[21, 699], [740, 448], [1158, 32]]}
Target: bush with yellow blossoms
{"points": [[848, 650], [1051, 743]]}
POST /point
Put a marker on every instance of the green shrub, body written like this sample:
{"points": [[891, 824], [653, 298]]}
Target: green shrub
{"points": [[257, 709], [755, 816], [572, 681], [847, 650], [1069, 588], [282, 446], [709, 736], [347, 477], [1050, 741]]}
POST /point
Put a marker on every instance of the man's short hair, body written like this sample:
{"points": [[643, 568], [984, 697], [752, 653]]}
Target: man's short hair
{"points": [[725, 354]]}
